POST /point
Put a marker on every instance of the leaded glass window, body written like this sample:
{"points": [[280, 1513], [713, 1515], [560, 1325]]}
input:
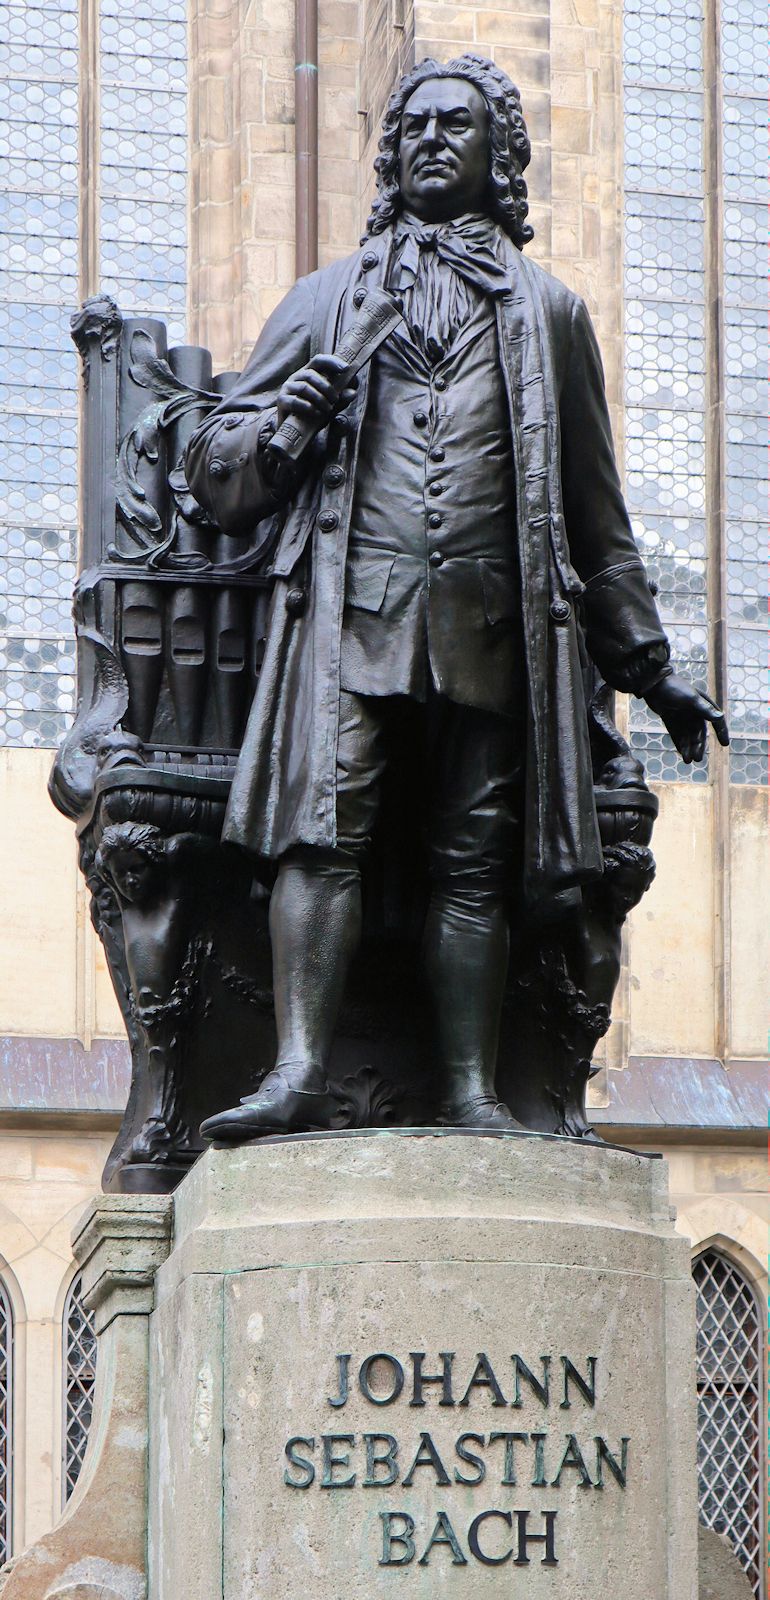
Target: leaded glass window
{"points": [[695, 209], [743, 40], [144, 158], [665, 335], [6, 1423], [79, 1380], [38, 377], [137, 190], [729, 1366]]}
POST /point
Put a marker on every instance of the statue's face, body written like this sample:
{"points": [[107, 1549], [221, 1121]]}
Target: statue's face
{"points": [[444, 150], [132, 874]]}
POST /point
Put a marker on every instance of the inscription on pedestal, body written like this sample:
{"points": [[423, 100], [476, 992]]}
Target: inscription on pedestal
{"points": [[541, 1458]]}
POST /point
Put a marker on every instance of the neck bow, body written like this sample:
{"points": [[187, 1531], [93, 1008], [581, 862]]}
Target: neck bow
{"points": [[467, 245]]}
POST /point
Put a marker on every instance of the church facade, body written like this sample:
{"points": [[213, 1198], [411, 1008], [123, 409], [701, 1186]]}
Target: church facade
{"points": [[152, 153]]}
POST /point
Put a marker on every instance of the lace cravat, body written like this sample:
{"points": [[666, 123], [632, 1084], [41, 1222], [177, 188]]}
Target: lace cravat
{"points": [[440, 270]]}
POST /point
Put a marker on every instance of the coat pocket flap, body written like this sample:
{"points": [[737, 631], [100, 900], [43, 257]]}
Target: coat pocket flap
{"points": [[366, 580], [500, 598]]}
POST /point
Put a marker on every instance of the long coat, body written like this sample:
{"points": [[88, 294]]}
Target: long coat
{"points": [[582, 580]]}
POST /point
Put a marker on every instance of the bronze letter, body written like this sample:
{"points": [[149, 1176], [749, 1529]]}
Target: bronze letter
{"points": [[587, 1386], [471, 1459], [521, 1370], [388, 1460], [619, 1471], [331, 1461], [573, 1457], [473, 1538], [484, 1378], [390, 1537], [398, 1380], [444, 1533], [547, 1538], [427, 1456], [510, 1439], [294, 1460], [343, 1363], [421, 1378]]}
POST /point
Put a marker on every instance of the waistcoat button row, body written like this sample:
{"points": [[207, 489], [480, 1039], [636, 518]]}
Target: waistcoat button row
{"points": [[436, 488], [439, 383], [436, 558], [435, 519], [438, 453], [420, 419], [327, 521]]}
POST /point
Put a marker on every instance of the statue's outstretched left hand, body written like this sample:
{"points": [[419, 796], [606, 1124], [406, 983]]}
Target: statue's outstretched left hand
{"points": [[687, 712]]}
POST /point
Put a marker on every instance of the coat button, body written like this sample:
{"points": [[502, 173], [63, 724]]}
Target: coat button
{"points": [[560, 610], [295, 602], [436, 558], [234, 420], [369, 260], [333, 477], [420, 419], [328, 521], [435, 519], [217, 469], [359, 298], [437, 453], [439, 383], [436, 488]]}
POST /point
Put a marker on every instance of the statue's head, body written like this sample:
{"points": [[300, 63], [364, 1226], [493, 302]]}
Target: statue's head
{"points": [[454, 140], [130, 854]]}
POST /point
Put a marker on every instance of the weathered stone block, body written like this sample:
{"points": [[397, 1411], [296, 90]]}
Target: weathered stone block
{"points": [[389, 1352]]}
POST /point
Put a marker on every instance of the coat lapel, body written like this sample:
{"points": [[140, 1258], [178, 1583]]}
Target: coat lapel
{"points": [[562, 844]]}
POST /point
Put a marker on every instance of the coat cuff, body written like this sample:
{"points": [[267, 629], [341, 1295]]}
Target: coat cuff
{"points": [[624, 634], [644, 671]]}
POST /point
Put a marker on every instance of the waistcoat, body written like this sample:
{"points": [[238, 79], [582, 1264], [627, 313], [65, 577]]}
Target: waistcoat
{"points": [[432, 590]]}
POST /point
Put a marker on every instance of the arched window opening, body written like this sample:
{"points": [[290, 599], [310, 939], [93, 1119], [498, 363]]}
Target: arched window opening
{"points": [[6, 1422], [729, 1365], [79, 1379]]}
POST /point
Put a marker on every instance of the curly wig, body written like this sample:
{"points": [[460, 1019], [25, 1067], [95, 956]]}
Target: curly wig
{"points": [[509, 146], [134, 838]]}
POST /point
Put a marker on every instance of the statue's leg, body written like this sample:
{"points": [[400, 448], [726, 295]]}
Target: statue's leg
{"points": [[473, 827], [315, 929]]}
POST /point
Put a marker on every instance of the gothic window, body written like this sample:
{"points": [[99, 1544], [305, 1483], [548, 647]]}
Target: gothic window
{"points": [[70, 226], [729, 1366], [695, 351], [79, 1379], [6, 1423]]}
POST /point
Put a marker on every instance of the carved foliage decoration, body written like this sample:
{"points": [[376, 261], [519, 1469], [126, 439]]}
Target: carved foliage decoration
{"points": [[97, 321], [173, 400]]}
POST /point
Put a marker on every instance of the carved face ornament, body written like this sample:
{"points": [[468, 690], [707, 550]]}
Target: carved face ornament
{"points": [[444, 150]]}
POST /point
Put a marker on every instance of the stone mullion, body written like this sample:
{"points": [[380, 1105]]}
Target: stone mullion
{"points": [[89, 268], [716, 566], [88, 147]]}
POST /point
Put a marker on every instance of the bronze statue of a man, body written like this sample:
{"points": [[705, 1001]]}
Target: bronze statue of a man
{"points": [[452, 546]]}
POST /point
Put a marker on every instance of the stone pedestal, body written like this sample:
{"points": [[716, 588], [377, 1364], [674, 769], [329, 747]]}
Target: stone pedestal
{"points": [[423, 1364]]}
